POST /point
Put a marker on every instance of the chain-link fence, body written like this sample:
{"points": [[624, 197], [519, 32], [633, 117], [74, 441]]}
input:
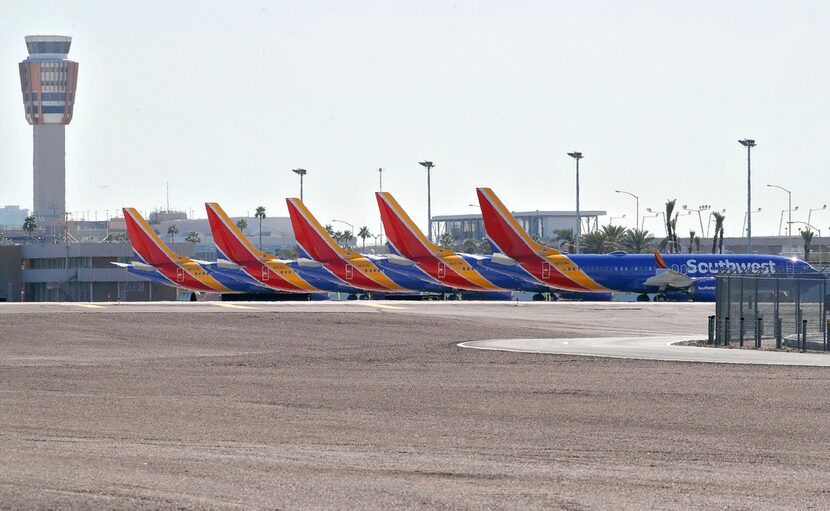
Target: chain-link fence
{"points": [[759, 310]]}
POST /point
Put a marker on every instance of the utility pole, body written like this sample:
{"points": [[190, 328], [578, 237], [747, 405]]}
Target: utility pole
{"points": [[577, 156], [749, 144], [380, 189], [428, 165]]}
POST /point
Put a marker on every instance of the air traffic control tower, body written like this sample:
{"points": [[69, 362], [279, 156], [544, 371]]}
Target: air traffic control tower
{"points": [[48, 81]]}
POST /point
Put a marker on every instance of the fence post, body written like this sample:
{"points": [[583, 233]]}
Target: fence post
{"points": [[778, 331], [711, 339], [741, 332], [718, 323], [758, 332], [726, 333], [804, 334], [827, 336]]}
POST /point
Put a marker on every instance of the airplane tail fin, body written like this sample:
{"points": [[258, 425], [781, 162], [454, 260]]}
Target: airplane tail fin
{"points": [[146, 243], [402, 231], [504, 230], [228, 238], [312, 238]]}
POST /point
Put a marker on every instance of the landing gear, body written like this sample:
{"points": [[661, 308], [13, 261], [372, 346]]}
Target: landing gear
{"points": [[643, 298], [538, 297], [351, 297], [659, 298]]}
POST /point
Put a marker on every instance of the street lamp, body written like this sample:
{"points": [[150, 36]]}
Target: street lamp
{"points": [[810, 213], [744, 225], [637, 199], [658, 213], [789, 208], [428, 165], [347, 223], [781, 220], [380, 189], [808, 225], [652, 215], [702, 207], [301, 173], [577, 156], [749, 144], [611, 220]]}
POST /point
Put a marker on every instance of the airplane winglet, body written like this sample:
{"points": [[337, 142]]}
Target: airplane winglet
{"points": [[661, 263]]}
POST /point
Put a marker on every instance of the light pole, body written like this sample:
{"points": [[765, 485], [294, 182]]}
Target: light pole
{"points": [[789, 208], [749, 144], [577, 156], [744, 225], [808, 226], [637, 199], [652, 215], [428, 165], [347, 223], [611, 220], [702, 207], [658, 213], [810, 213], [781, 219], [380, 189], [301, 173]]}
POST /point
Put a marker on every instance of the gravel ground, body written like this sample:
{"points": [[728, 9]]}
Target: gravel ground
{"points": [[377, 409]]}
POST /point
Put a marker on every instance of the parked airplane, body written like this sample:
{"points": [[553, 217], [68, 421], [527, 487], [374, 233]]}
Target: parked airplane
{"points": [[301, 276], [691, 274], [460, 271], [155, 261], [388, 274]]}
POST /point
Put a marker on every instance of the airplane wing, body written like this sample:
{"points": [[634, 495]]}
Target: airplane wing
{"points": [[666, 277]]}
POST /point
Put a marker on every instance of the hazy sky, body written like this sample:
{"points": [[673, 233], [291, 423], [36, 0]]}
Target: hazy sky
{"points": [[223, 98]]}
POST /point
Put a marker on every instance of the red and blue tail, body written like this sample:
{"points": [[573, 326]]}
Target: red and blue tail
{"points": [[146, 243], [504, 230], [310, 235], [228, 238]]}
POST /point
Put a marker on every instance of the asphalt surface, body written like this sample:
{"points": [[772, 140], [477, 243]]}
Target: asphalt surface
{"points": [[375, 406]]}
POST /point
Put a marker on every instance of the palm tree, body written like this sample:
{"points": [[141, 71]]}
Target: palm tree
{"points": [[637, 241], [30, 224], [329, 230], [594, 242], [565, 237], [719, 219], [484, 247], [172, 231], [469, 246], [445, 241], [807, 236], [193, 237], [613, 236], [242, 224], [671, 223], [347, 237], [364, 233], [691, 240], [289, 253], [260, 213]]}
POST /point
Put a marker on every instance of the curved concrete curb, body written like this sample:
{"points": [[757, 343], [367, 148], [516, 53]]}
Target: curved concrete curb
{"points": [[649, 348]]}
